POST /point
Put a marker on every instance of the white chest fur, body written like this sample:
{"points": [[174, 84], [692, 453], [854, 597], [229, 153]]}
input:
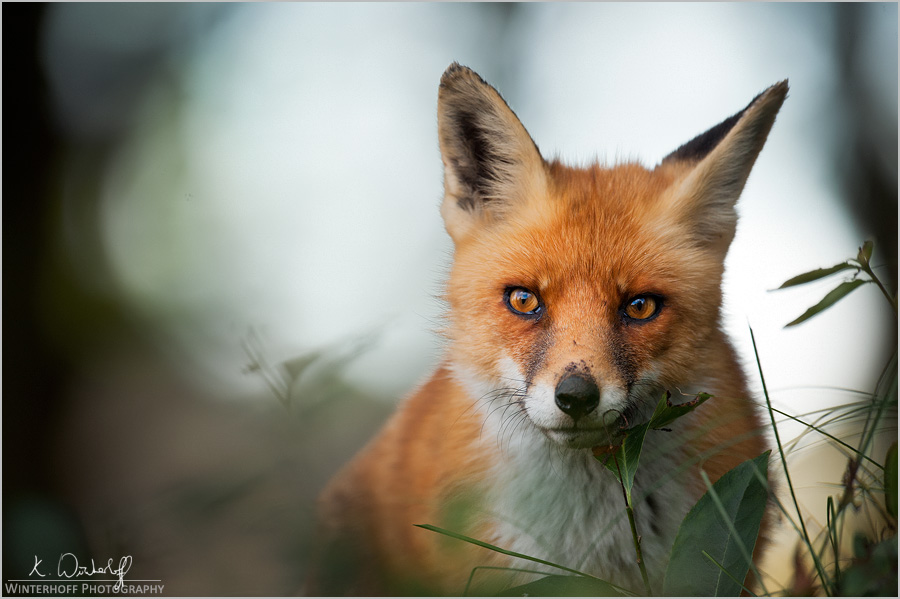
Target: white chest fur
{"points": [[565, 507]]}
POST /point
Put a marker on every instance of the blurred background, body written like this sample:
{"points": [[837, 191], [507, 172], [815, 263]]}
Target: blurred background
{"points": [[223, 256]]}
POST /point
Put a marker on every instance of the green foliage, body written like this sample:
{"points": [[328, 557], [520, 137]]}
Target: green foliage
{"points": [[712, 551], [623, 460], [860, 264], [817, 274], [873, 572], [666, 412], [873, 567]]}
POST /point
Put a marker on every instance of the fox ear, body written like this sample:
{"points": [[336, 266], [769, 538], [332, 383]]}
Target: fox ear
{"points": [[719, 162], [490, 162]]}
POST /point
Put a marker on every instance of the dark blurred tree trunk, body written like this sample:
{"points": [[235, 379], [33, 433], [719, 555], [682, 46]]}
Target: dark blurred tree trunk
{"points": [[866, 160], [35, 521], [31, 384]]}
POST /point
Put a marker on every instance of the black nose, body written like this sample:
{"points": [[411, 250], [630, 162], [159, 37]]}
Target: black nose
{"points": [[577, 395]]}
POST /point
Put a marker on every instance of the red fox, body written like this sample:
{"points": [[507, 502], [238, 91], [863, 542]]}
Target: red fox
{"points": [[577, 297]]}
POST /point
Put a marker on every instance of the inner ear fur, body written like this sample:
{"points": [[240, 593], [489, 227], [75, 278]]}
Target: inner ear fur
{"points": [[717, 163], [490, 162]]}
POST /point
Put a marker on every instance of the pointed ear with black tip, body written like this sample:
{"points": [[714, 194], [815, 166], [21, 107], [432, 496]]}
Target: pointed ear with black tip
{"points": [[491, 164], [718, 163]]}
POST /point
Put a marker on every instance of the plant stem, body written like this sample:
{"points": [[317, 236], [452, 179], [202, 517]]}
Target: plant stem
{"points": [[634, 535], [868, 270], [637, 549]]}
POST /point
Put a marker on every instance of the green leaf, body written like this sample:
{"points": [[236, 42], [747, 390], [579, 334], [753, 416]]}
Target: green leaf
{"points": [[817, 274], [667, 412], [890, 481], [743, 496], [833, 297], [624, 462], [563, 586], [726, 572]]}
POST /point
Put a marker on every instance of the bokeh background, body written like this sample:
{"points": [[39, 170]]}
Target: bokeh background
{"points": [[223, 256]]}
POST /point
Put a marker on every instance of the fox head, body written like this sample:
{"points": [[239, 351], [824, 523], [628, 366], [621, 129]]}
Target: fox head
{"points": [[578, 294]]}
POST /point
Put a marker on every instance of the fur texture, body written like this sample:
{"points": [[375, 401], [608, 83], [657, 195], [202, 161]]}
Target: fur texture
{"points": [[485, 447]]}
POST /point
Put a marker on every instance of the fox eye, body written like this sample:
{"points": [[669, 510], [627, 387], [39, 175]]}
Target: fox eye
{"points": [[643, 307], [523, 302]]}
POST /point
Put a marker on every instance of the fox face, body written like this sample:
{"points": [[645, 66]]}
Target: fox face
{"points": [[577, 295]]}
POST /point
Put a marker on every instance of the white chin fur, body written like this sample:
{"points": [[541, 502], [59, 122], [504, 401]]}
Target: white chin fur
{"points": [[493, 399], [577, 439]]}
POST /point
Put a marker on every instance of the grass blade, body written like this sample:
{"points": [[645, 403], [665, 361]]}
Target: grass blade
{"points": [[537, 560], [497, 568], [563, 586], [831, 526], [805, 534], [829, 436]]}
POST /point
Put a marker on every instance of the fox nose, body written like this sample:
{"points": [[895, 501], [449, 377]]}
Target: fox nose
{"points": [[577, 395]]}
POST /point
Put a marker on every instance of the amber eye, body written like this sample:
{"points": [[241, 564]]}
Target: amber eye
{"points": [[642, 307], [522, 301]]}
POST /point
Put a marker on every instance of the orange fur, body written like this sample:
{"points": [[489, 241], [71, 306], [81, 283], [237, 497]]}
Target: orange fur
{"points": [[460, 451]]}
